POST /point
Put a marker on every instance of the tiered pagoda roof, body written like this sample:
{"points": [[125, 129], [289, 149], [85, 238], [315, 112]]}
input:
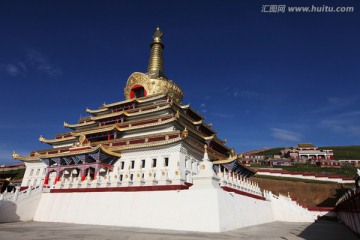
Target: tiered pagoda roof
{"points": [[152, 115]]}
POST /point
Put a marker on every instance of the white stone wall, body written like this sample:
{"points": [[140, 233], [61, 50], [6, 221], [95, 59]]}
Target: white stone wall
{"points": [[21, 206], [207, 210], [34, 174]]}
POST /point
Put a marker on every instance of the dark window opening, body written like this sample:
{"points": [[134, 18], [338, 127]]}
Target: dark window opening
{"points": [[142, 163], [166, 162], [139, 92]]}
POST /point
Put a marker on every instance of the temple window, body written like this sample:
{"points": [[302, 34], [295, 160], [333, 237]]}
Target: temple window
{"points": [[44, 171], [132, 164], [166, 161], [37, 172], [131, 177], [154, 162], [31, 172], [122, 165], [142, 163], [121, 177]]}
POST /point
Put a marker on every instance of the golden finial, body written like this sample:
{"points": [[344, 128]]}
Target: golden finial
{"points": [[184, 133], [157, 35], [15, 155], [156, 68], [41, 138]]}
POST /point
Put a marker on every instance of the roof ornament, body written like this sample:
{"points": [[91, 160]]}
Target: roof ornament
{"points": [[157, 35], [184, 133], [177, 114], [156, 67], [15, 155], [66, 124]]}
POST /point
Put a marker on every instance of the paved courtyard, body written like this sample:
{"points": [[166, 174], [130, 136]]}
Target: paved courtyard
{"points": [[277, 230]]}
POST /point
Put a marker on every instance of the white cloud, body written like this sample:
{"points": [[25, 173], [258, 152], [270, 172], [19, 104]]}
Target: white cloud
{"points": [[204, 110], [41, 63], [335, 103], [12, 69], [202, 105], [222, 115], [206, 97], [285, 135]]}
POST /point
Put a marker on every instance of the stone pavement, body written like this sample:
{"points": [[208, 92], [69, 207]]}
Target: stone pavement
{"points": [[277, 230]]}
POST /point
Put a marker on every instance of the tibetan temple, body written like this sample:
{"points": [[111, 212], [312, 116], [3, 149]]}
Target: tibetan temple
{"points": [[148, 135], [147, 161]]}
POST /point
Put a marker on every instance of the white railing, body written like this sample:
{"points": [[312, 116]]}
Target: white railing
{"points": [[237, 182], [121, 178], [18, 195]]}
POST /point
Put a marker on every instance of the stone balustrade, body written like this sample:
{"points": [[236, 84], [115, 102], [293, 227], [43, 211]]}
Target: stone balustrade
{"points": [[123, 178], [18, 195], [232, 180]]}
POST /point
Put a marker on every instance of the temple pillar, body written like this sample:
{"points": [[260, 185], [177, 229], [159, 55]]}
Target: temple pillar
{"points": [[96, 173], [83, 174], [46, 180], [57, 178]]}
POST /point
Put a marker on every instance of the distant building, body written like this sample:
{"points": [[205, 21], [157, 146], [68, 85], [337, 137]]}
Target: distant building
{"points": [[307, 151]]}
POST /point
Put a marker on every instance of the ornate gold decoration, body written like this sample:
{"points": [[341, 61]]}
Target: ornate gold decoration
{"points": [[115, 176], [177, 114], [176, 173], [82, 139], [232, 153], [184, 133], [203, 166], [167, 137], [138, 175], [150, 174], [126, 176], [146, 140], [153, 86], [162, 173]]}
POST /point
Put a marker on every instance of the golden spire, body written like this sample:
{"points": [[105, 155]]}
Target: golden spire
{"points": [[156, 67]]}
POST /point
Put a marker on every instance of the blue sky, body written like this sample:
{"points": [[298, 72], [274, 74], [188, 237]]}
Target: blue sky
{"points": [[262, 79]]}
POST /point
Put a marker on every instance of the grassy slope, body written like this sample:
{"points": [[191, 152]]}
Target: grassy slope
{"points": [[309, 193]]}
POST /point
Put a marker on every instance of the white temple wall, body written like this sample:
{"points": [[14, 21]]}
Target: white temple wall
{"points": [[207, 210], [34, 174], [177, 210], [237, 211], [131, 161], [22, 210], [284, 209]]}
